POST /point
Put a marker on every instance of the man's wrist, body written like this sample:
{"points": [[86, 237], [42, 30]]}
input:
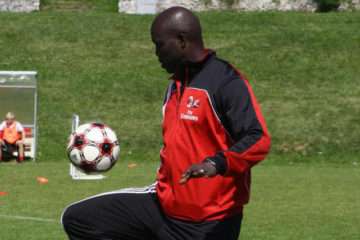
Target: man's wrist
{"points": [[219, 162], [211, 162]]}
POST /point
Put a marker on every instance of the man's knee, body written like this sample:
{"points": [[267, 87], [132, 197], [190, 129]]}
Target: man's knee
{"points": [[73, 225], [69, 216], [66, 217]]}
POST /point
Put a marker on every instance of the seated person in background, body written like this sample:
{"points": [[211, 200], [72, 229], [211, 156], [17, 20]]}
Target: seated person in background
{"points": [[12, 137]]}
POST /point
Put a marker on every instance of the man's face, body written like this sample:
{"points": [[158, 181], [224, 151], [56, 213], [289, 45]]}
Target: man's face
{"points": [[167, 48], [9, 121]]}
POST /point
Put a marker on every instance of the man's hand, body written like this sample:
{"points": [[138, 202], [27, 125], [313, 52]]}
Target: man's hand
{"points": [[204, 169]]}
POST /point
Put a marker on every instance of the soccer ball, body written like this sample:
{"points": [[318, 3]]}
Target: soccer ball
{"points": [[93, 147]]}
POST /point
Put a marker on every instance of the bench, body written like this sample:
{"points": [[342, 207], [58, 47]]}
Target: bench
{"points": [[29, 142]]}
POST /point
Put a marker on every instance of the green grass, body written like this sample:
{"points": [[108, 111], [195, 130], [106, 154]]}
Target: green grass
{"points": [[288, 202], [101, 65]]}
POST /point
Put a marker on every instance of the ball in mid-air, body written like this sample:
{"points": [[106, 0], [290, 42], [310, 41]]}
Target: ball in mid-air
{"points": [[93, 147]]}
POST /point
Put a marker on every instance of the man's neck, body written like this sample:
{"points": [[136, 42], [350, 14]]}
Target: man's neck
{"points": [[189, 70], [197, 55]]}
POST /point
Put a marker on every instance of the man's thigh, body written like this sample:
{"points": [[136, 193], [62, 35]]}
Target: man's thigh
{"points": [[133, 214], [228, 229], [126, 215], [10, 148]]}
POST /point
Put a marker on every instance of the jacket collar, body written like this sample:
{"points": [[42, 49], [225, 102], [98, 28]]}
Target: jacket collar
{"points": [[189, 70]]}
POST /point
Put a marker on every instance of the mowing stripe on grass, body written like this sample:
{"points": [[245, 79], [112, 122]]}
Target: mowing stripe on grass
{"points": [[27, 218]]}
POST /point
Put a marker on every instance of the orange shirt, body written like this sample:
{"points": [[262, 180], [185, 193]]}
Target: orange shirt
{"points": [[11, 133]]}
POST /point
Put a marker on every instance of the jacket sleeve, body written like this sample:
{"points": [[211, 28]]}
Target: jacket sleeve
{"points": [[243, 120]]}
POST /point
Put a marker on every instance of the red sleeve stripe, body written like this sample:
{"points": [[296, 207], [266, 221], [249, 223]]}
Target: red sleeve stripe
{"points": [[240, 162]]}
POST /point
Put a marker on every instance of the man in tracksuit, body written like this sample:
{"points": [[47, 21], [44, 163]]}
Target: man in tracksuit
{"points": [[213, 133]]}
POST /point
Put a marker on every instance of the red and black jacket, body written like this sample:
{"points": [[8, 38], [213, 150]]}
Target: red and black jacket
{"points": [[210, 112]]}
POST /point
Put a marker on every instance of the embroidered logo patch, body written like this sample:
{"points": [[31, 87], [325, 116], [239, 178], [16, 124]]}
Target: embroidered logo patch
{"points": [[193, 103]]}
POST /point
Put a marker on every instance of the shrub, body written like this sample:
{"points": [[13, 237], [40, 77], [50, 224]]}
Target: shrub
{"points": [[327, 5]]}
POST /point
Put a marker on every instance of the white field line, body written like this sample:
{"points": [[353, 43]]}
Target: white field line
{"points": [[27, 218]]}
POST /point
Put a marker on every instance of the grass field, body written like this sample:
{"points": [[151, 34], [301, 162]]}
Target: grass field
{"points": [[100, 64], [288, 202]]}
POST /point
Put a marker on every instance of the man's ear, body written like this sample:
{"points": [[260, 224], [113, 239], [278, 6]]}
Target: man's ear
{"points": [[182, 40]]}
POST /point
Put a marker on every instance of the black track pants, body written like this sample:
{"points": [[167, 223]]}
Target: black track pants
{"points": [[135, 214]]}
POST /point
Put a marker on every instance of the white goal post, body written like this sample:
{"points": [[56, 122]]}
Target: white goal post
{"points": [[76, 173]]}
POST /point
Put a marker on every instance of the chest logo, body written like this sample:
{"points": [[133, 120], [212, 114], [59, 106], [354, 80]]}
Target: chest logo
{"points": [[193, 103]]}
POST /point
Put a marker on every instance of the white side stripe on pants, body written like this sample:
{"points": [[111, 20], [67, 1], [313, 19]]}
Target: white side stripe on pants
{"points": [[144, 190]]}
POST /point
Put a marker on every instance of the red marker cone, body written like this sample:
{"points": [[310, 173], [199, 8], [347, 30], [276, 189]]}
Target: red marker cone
{"points": [[42, 180]]}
